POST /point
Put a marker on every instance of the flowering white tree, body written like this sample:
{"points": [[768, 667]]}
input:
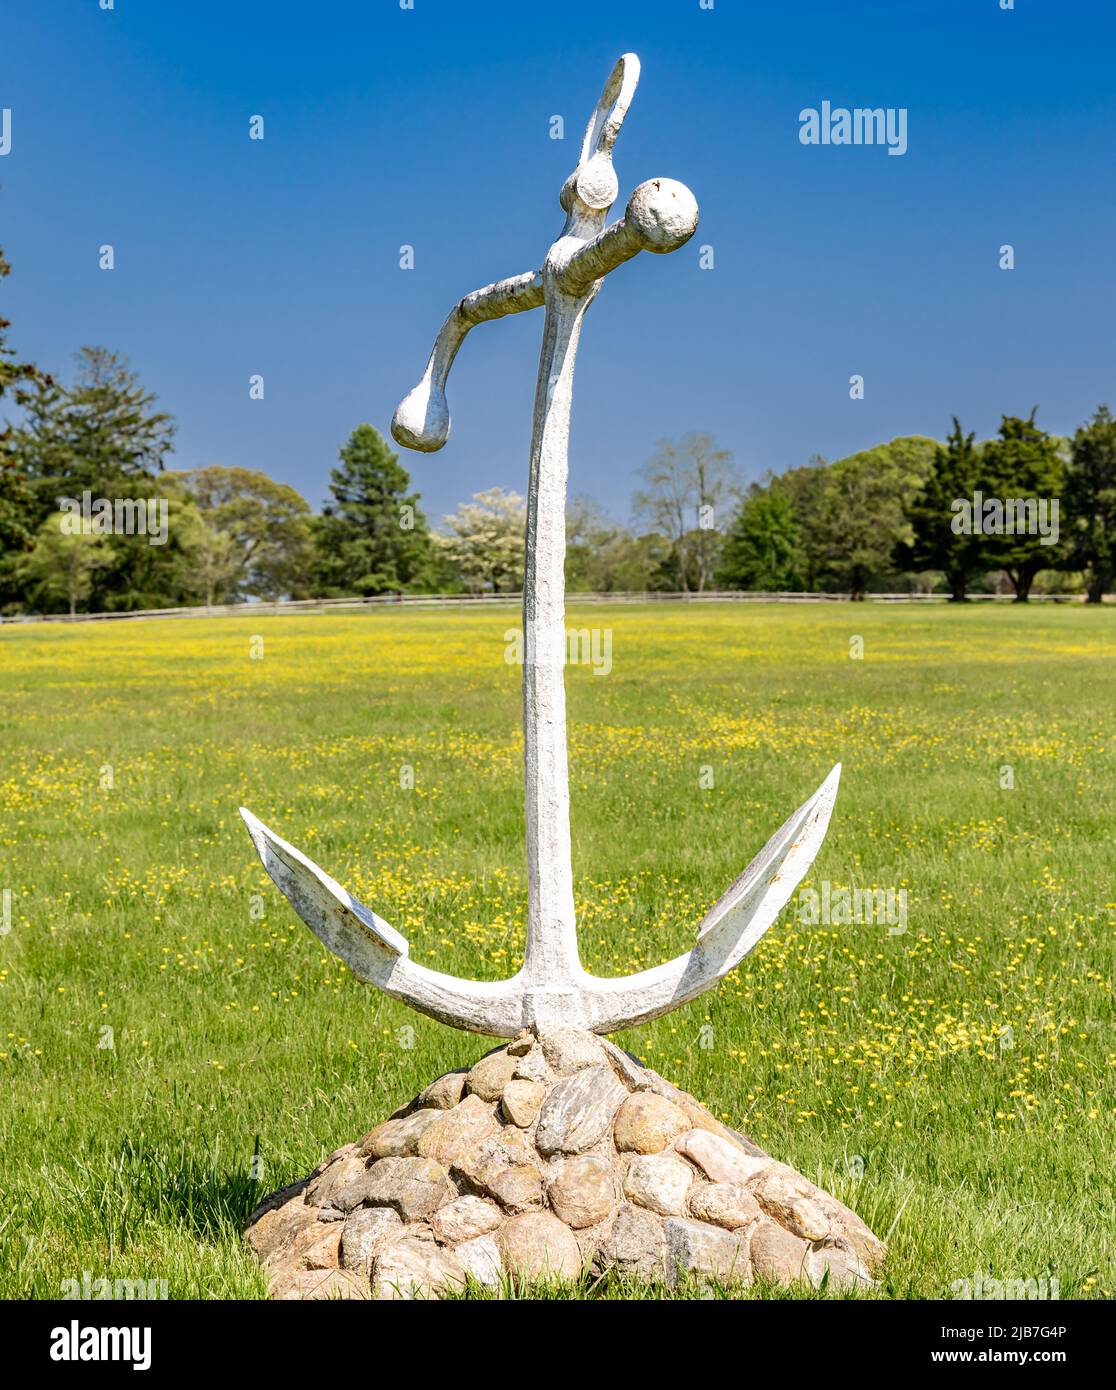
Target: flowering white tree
{"points": [[484, 543]]}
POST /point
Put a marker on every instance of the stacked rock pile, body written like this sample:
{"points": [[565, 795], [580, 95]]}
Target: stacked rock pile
{"points": [[552, 1155]]}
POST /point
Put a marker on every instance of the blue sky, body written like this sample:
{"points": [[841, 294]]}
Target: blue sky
{"points": [[430, 127]]}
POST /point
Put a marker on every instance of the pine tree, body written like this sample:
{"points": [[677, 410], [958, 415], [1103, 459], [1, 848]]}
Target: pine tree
{"points": [[934, 544], [1024, 464], [17, 503], [1091, 503], [372, 538]]}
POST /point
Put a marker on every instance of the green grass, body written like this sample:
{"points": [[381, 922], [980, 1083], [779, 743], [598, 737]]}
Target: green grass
{"points": [[953, 1083]]}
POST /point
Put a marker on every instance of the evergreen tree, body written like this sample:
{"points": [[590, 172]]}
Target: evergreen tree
{"points": [[1023, 464], [12, 373], [103, 435], [95, 434], [372, 538], [1090, 495], [17, 502], [934, 544]]}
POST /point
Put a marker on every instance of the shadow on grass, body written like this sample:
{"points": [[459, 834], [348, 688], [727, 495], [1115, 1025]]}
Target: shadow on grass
{"points": [[118, 1195]]}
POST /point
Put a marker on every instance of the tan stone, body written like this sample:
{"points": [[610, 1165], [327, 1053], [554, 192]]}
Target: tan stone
{"points": [[319, 1284], [718, 1158], [275, 1231], [518, 1188], [491, 1074], [504, 1167], [635, 1244], [647, 1124], [317, 1246], [444, 1093], [585, 1191], [413, 1266], [521, 1101], [414, 1187], [837, 1260], [348, 1196], [630, 1072], [506, 1147], [591, 1238], [278, 1199], [579, 1110], [333, 1157], [569, 1049], [397, 1138], [458, 1131], [693, 1247], [532, 1066], [659, 1182], [363, 1233], [727, 1204], [847, 1224], [792, 1201], [698, 1115], [464, 1219], [776, 1254], [537, 1245], [336, 1176], [522, 1043], [481, 1258]]}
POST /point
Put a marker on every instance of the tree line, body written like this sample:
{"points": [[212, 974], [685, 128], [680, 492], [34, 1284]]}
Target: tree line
{"points": [[959, 517], [92, 518]]}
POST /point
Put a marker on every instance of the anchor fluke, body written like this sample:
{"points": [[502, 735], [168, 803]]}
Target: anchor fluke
{"points": [[342, 922], [731, 927]]}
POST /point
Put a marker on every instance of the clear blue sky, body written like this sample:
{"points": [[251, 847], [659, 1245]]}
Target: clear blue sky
{"points": [[431, 127]]}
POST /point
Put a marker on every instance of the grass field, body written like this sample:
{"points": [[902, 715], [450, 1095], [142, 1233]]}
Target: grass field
{"points": [[954, 1083]]}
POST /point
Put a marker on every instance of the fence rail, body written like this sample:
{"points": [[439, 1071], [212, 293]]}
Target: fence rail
{"points": [[511, 600]]}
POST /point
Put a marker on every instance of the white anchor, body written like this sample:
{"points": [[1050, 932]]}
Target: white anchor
{"points": [[551, 989]]}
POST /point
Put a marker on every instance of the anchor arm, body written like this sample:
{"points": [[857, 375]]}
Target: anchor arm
{"points": [[376, 953], [731, 928], [421, 419]]}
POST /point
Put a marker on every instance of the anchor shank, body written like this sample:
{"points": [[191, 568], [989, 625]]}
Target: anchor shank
{"points": [[551, 955]]}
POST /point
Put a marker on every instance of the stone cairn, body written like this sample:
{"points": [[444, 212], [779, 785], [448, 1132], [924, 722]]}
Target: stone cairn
{"points": [[552, 1156]]}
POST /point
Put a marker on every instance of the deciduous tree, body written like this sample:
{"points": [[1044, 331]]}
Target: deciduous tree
{"points": [[859, 517], [762, 550], [689, 487], [484, 542], [256, 541]]}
